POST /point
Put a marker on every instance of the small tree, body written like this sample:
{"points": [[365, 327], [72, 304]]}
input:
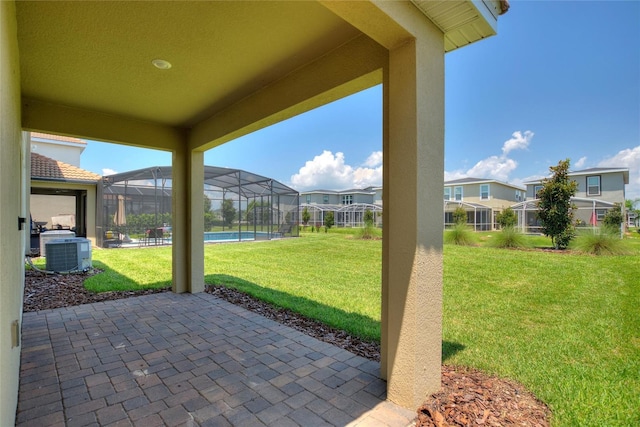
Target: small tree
{"points": [[306, 216], [507, 218], [613, 218], [209, 216], [555, 209], [368, 218], [459, 216], [228, 212], [328, 221], [368, 231], [258, 212]]}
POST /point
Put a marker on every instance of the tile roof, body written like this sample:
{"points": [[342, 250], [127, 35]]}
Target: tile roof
{"points": [[58, 138], [43, 167]]}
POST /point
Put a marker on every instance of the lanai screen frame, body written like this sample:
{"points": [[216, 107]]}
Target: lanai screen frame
{"points": [[585, 207], [344, 215], [477, 210], [281, 202]]}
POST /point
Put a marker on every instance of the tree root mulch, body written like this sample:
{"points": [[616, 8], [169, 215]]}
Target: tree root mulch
{"points": [[467, 398]]}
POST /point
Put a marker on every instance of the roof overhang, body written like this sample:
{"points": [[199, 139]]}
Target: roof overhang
{"points": [[463, 22]]}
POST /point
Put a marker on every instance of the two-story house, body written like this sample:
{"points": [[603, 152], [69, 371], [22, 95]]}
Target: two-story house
{"points": [[348, 206], [599, 189], [482, 199]]}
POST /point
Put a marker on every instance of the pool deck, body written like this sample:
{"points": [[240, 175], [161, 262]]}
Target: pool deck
{"points": [[191, 360]]}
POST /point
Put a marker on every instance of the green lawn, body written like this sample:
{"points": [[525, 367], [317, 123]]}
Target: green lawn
{"points": [[565, 325]]}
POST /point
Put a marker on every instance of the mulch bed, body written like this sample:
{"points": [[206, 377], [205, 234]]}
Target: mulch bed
{"points": [[46, 291], [467, 398]]}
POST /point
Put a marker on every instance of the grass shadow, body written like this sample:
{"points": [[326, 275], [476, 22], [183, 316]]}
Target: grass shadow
{"points": [[355, 324], [109, 280], [450, 349]]}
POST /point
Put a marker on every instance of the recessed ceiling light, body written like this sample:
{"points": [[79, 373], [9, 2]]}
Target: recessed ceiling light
{"points": [[161, 64]]}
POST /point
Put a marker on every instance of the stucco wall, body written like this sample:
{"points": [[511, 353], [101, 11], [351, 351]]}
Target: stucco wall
{"points": [[64, 153], [611, 187], [43, 207], [12, 168]]}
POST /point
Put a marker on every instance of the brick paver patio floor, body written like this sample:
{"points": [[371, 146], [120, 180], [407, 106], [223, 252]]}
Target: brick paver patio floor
{"points": [[191, 360]]}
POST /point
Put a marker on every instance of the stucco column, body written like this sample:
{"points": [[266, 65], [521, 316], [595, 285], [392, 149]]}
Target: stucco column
{"points": [[412, 249], [188, 221]]}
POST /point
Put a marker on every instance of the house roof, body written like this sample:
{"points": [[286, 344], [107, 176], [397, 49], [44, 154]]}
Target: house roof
{"points": [[45, 168], [340, 192], [46, 136], [592, 171], [470, 180]]}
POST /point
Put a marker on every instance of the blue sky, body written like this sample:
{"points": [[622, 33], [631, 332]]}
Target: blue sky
{"points": [[560, 80]]}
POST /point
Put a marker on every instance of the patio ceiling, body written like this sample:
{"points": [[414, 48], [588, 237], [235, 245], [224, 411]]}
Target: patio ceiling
{"points": [[96, 57], [86, 67]]}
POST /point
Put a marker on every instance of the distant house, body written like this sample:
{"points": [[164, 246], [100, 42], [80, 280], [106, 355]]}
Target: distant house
{"points": [[599, 189], [66, 149], [482, 199], [348, 206]]}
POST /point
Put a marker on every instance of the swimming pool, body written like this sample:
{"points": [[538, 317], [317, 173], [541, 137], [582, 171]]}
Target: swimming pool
{"points": [[223, 236]]}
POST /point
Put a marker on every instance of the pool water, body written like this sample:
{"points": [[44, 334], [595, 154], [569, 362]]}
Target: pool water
{"points": [[221, 236]]}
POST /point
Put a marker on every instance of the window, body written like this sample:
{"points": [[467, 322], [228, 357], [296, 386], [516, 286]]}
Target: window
{"points": [[457, 193], [519, 197], [308, 198], [347, 199], [325, 198], [593, 185], [484, 192], [600, 213], [536, 188], [447, 193]]}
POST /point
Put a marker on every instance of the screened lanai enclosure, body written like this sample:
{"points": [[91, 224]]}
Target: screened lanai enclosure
{"points": [[480, 217], [344, 215], [135, 207], [587, 213]]}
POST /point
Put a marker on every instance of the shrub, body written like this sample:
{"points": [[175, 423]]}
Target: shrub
{"points": [[328, 221], [459, 215], [369, 231], [460, 235], [306, 216], [601, 242], [509, 237], [507, 218], [613, 218]]}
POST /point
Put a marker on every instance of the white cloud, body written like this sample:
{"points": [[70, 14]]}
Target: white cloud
{"points": [[107, 171], [518, 141], [580, 163], [375, 159], [330, 172], [496, 167], [627, 158], [457, 174], [493, 167]]}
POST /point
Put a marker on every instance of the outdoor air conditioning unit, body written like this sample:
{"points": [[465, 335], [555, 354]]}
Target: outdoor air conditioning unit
{"points": [[49, 236], [72, 254]]}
